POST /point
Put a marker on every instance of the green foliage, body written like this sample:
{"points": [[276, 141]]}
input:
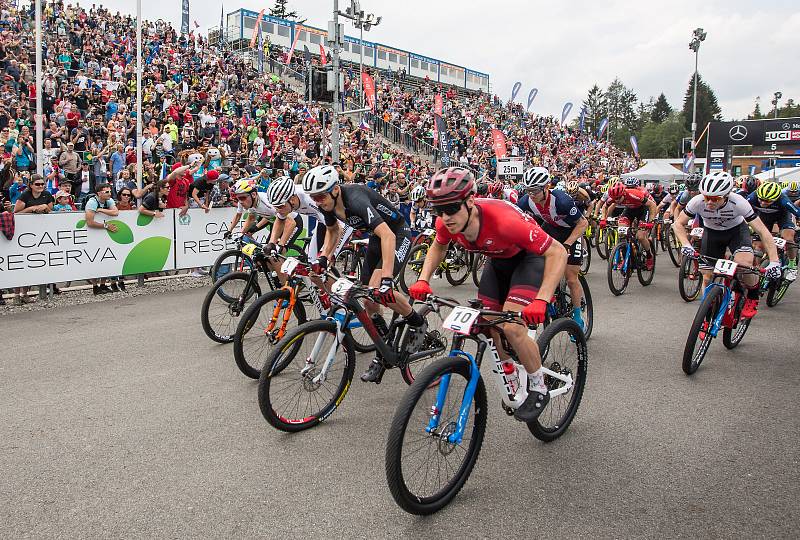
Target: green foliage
{"points": [[661, 109], [663, 139], [707, 109]]}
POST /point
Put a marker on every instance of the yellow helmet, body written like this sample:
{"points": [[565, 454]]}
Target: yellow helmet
{"points": [[792, 186], [245, 185], [769, 191]]}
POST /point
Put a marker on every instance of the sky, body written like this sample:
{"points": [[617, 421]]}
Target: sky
{"points": [[564, 47]]}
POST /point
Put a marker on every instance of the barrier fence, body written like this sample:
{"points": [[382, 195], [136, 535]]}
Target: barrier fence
{"points": [[59, 247]]}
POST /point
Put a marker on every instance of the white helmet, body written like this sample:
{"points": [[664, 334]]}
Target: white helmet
{"points": [[536, 177], [561, 185], [632, 182], [716, 184], [194, 158], [320, 179], [280, 190], [418, 193]]}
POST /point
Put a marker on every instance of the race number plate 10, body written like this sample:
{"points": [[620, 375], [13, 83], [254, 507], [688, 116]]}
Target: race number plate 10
{"points": [[697, 232], [341, 286], [780, 243], [461, 319], [623, 230], [725, 267], [289, 265]]}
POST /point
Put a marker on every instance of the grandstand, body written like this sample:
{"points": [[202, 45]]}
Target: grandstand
{"points": [[241, 23]]}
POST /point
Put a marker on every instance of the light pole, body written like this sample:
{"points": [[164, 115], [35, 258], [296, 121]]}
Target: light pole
{"points": [[697, 36], [778, 96], [363, 22]]}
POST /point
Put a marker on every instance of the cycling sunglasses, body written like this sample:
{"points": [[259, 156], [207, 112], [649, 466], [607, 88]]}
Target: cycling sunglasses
{"points": [[713, 198], [447, 209]]}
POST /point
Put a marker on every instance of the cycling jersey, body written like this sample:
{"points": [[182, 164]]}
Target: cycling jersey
{"points": [[733, 213], [261, 207], [558, 209], [423, 218], [667, 200], [684, 197], [306, 207], [365, 209], [505, 231], [782, 206], [793, 197], [635, 198], [510, 195]]}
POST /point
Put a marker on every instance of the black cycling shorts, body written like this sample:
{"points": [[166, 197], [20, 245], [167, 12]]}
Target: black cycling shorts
{"points": [[782, 219], [636, 213], [373, 259], [560, 234], [516, 279], [714, 242]]}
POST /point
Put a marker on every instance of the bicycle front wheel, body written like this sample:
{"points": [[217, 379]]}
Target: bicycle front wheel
{"points": [[256, 334], [412, 266], [425, 466], [458, 267], [689, 279], [296, 389], [225, 303], [232, 260], [731, 337], [646, 276], [563, 348], [619, 269], [477, 268], [673, 248], [699, 339], [586, 261], [602, 243]]}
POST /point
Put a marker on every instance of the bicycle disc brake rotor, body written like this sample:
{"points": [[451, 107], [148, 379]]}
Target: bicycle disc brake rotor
{"points": [[551, 382], [445, 446]]}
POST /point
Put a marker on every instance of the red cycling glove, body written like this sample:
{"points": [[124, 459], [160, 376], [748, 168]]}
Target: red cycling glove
{"points": [[420, 290], [534, 313]]}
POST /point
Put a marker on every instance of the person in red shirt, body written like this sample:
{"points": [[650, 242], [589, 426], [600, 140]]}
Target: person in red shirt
{"points": [[638, 204], [180, 180], [523, 269]]}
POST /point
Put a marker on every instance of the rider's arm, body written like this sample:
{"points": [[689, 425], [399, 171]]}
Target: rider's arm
{"points": [[277, 230], [766, 239], [288, 232], [679, 228], [608, 207], [555, 262], [434, 257], [236, 217], [652, 209], [577, 231], [788, 206], [388, 239], [332, 234]]}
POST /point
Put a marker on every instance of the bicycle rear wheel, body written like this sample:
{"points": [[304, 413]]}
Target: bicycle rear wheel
{"points": [[690, 279], [349, 263], [586, 262], [225, 303], [563, 348], [674, 248], [253, 341], [291, 395], [619, 269], [731, 337], [602, 243], [699, 338], [417, 457], [644, 275], [477, 268]]}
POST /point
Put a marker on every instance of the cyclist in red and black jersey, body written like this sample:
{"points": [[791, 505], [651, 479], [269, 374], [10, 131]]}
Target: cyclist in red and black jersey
{"points": [[638, 204], [523, 270]]}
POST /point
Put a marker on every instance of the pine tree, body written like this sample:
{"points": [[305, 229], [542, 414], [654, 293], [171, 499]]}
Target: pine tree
{"points": [[280, 10], [707, 109], [661, 109], [756, 114], [595, 105]]}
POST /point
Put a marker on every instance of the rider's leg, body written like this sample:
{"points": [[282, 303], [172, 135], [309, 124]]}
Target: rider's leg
{"points": [[521, 342], [575, 291], [644, 239]]}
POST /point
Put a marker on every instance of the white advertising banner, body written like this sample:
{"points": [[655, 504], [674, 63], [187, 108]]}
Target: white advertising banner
{"points": [[59, 247]]}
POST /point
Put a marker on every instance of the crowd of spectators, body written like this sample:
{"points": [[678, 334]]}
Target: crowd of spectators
{"points": [[207, 110]]}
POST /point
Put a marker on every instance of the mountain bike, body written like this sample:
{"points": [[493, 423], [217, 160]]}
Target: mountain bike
{"points": [[269, 318], [626, 257], [438, 428], [776, 290], [308, 373], [230, 295], [350, 260], [561, 304], [721, 307], [607, 238], [690, 279], [233, 260], [478, 262], [586, 261], [456, 265]]}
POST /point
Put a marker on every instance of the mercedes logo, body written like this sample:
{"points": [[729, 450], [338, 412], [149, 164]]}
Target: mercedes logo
{"points": [[738, 132], [786, 125]]}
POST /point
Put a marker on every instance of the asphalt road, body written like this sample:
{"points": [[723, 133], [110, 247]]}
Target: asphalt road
{"points": [[123, 419]]}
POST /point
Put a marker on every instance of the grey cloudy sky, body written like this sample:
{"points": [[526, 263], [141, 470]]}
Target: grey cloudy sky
{"points": [[564, 47]]}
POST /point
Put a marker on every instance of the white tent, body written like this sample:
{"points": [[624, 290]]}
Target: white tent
{"points": [[781, 174], [657, 171]]}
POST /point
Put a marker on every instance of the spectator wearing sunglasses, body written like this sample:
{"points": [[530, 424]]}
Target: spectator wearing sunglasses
{"points": [[35, 200], [125, 200], [101, 203]]}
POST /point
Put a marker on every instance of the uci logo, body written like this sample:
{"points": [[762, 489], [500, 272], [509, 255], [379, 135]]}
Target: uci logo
{"points": [[737, 132]]}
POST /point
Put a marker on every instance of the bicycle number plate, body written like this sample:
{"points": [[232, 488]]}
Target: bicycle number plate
{"points": [[697, 232], [461, 319], [427, 232], [623, 230], [725, 267], [341, 286], [289, 265], [780, 243]]}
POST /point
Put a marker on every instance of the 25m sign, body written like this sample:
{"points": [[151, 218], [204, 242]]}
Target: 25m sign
{"points": [[510, 169]]}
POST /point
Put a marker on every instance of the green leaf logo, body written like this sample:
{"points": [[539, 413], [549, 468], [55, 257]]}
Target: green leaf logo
{"points": [[124, 234], [149, 255], [143, 220], [81, 224]]}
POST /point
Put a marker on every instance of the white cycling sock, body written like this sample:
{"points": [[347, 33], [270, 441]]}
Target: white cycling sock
{"points": [[536, 381]]}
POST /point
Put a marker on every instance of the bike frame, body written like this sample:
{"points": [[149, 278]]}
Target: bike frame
{"points": [[725, 305], [512, 398]]}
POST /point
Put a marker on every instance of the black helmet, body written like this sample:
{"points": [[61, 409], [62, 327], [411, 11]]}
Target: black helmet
{"points": [[483, 189], [750, 184], [693, 181]]}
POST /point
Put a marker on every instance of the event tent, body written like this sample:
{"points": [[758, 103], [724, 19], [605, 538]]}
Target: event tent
{"points": [[657, 171], [781, 174]]}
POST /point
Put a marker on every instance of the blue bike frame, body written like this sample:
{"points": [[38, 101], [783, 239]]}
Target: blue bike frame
{"points": [[466, 402], [726, 299]]}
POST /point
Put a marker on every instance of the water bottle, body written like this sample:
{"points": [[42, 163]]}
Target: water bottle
{"points": [[512, 376]]}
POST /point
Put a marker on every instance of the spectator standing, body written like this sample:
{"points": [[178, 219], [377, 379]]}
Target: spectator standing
{"points": [[69, 161], [35, 200], [101, 203]]}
